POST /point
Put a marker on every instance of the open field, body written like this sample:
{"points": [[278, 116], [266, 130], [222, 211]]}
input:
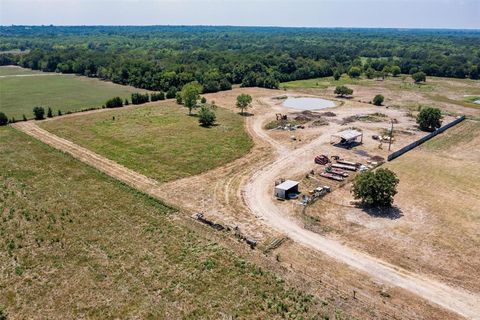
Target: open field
{"points": [[21, 90], [159, 140], [15, 71], [79, 244]]}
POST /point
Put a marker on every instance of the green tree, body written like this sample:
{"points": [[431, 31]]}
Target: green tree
{"points": [[3, 119], [39, 113], [354, 72], [378, 100], [376, 188], [59, 112], [206, 116], [190, 94], [243, 102], [429, 119], [343, 91], [419, 77], [395, 70], [370, 73], [203, 100], [49, 113], [336, 75]]}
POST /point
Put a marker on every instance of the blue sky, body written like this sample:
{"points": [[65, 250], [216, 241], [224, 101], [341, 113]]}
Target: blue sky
{"points": [[305, 13]]}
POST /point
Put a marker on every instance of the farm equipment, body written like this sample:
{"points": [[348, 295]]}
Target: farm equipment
{"points": [[344, 167], [348, 163], [332, 176], [322, 159], [336, 171]]}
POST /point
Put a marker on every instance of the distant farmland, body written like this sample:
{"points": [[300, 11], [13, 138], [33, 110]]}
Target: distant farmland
{"points": [[22, 89]]}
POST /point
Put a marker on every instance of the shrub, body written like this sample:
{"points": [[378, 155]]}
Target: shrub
{"points": [[343, 91], [206, 116], [139, 98], [24, 117], [376, 188], [378, 100], [336, 75], [225, 85], [419, 77], [354, 72], [39, 113], [429, 119], [3, 119], [114, 103], [157, 96], [49, 113], [171, 93], [59, 112], [203, 100]]}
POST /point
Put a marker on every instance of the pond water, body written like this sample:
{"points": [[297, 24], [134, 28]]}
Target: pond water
{"points": [[308, 103]]}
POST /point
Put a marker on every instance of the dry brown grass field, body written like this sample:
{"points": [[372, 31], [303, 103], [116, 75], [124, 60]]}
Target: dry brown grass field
{"points": [[77, 244]]}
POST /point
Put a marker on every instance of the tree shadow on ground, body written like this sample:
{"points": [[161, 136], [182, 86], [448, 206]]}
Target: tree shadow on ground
{"points": [[246, 114], [392, 213]]}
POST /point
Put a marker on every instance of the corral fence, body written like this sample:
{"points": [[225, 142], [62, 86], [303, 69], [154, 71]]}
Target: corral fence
{"points": [[426, 138]]}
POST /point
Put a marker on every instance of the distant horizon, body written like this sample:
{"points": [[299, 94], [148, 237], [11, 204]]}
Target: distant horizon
{"points": [[370, 14], [237, 26]]}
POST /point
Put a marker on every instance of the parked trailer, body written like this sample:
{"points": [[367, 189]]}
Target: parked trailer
{"points": [[331, 176], [348, 163], [344, 167], [336, 171]]}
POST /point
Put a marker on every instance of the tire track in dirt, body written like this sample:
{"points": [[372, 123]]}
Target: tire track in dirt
{"points": [[256, 195]]}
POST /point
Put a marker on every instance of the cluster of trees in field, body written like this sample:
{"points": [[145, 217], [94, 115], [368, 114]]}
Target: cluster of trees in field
{"points": [[166, 58]]}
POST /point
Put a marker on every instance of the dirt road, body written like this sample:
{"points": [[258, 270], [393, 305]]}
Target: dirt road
{"points": [[257, 195], [259, 198]]}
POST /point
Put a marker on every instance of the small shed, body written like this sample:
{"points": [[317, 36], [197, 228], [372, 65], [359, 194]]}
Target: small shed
{"points": [[284, 189], [347, 137]]}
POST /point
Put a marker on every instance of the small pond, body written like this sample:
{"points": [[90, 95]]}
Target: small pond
{"points": [[308, 103]]}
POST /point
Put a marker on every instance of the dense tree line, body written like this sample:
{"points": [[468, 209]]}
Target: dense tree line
{"points": [[164, 58]]}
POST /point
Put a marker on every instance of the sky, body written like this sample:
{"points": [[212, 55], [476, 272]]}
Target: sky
{"points": [[455, 14]]}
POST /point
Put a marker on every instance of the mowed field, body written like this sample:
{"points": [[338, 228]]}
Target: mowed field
{"points": [[158, 140], [21, 90], [77, 244], [435, 226]]}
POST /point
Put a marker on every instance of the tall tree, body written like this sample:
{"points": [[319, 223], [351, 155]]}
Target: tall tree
{"points": [[429, 119], [376, 188], [243, 102], [190, 95]]}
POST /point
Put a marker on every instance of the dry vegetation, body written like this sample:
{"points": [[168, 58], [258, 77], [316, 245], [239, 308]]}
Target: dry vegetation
{"points": [[77, 244], [434, 227]]}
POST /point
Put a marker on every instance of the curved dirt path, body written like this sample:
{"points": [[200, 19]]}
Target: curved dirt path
{"points": [[259, 198]]}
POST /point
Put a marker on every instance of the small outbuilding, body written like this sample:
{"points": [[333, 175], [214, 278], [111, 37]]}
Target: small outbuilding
{"points": [[286, 188], [347, 137]]}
